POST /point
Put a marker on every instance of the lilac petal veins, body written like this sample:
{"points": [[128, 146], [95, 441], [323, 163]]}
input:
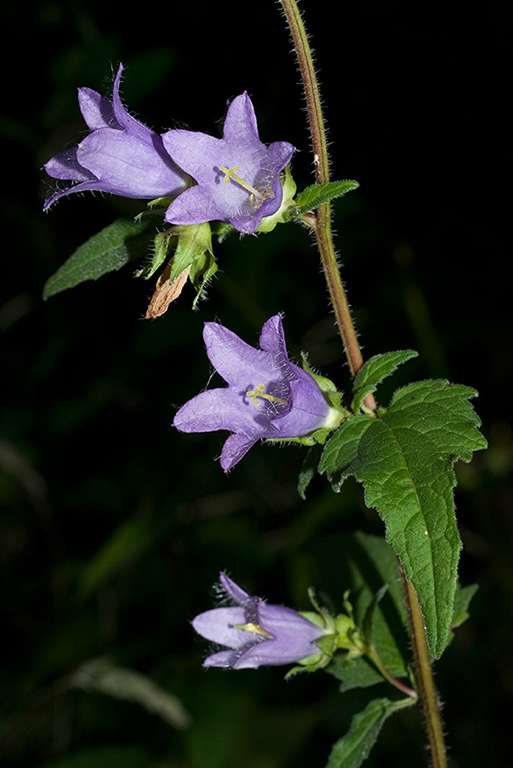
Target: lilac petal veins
{"points": [[238, 177], [120, 155], [267, 396], [256, 633]]}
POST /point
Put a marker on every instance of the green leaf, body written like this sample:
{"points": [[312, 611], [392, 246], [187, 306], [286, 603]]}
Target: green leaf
{"points": [[354, 748], [107, 251], [312, 197], [404, 457], [461, 603], [374, 371], [308, 470]]}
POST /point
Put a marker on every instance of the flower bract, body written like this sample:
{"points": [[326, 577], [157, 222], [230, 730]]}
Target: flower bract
{"points": [[120, 155], [256, 633], [238, 177], [267, 396]]}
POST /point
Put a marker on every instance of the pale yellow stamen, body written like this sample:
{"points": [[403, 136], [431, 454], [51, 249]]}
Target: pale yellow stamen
{"points": [[229, 174], [255, 628], [260, 392]]}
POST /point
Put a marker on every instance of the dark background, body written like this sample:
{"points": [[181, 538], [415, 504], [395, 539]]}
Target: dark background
{"points": [[114, 526]]}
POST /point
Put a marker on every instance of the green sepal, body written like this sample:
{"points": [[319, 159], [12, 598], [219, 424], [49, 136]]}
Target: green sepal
{"points": [[317, 194], [159, 203], [194, 250], [162, 244], [194, 240], [108, 251], [340, 632], [192, 245], [222, 229], [202, 271]]}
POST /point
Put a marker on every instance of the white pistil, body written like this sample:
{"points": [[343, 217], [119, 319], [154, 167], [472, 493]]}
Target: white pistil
{"points": [[260, 392]]}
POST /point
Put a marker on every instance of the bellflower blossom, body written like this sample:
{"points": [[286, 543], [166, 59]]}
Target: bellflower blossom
{"points": [[238, 177], [120, 155], [256, 633], [267, 396]]}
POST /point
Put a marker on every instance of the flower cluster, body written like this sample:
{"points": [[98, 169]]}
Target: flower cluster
{"points": [[267, 396], [256, 633], [235, 179]]}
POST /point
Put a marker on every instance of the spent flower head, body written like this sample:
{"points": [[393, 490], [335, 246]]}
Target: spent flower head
{"points": [[238, 177], [120, 155], [256, 633], [267, 396]]}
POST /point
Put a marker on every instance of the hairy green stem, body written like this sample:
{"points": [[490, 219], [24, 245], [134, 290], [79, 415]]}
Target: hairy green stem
{"points": [[322, 227], [322, 222]]}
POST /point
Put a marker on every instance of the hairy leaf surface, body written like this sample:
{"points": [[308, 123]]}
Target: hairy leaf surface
{"points": [[353, 749], [311, 197], [404, 457], [107, 251]]}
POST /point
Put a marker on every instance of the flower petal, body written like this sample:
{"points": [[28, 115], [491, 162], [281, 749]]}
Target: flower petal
{"points": [[310, 409], [272, 340], [218, 409], [65, 166], [217, 625], [293, 638], [225, 659], [129, 168], [197, 153], [125, 120], [232, 589], [235, 448], [237, 362], [240, 125], [96, 110], [193, 206]]}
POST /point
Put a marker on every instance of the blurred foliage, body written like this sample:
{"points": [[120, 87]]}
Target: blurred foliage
{"points": [[113, 526]]}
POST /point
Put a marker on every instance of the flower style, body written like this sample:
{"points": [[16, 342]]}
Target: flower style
{"points": [[267, 396], [120, 155], [238, 177], [256, 633]]}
